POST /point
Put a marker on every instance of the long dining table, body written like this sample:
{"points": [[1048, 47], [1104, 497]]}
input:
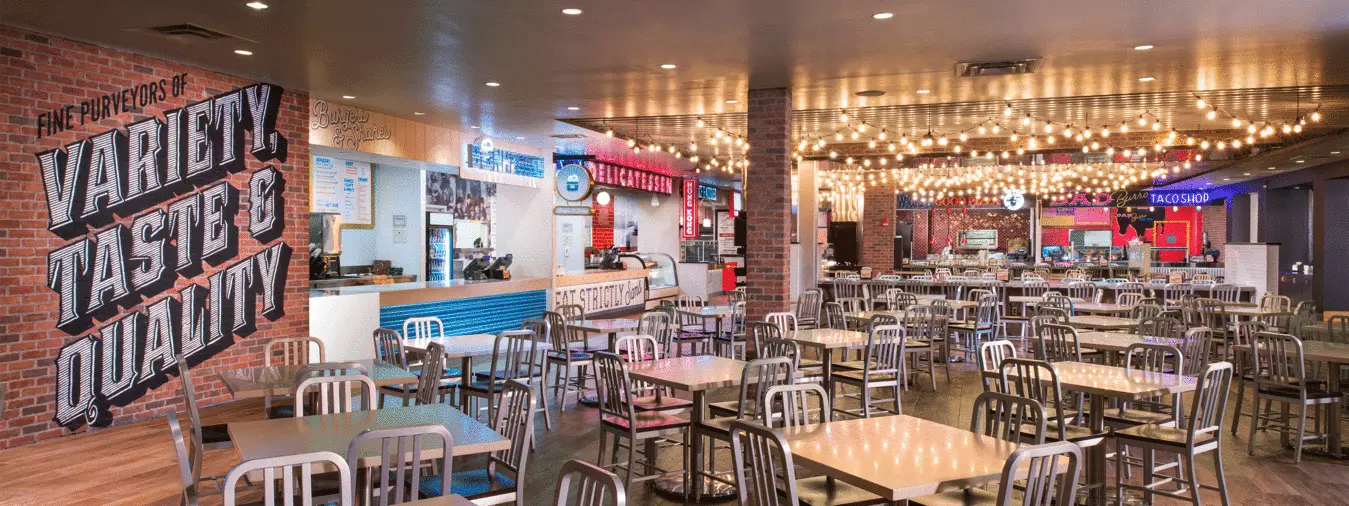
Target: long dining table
{"points": [[276, 380], [465, 348]]}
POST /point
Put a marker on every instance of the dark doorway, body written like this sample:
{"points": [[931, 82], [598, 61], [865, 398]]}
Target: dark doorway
{"points": [[903, 242]]}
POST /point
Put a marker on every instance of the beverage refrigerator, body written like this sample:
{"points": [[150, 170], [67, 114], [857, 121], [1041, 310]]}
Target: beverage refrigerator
{"points": [[439, 246]]}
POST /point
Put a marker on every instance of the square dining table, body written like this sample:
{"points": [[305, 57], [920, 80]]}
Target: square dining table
{"points": [[1105, 323], [277, 437], [696, 375], [1100, 382], [606, 331], [466, 348], [1113, 343], [899, 457], [825, 341], [277, 380]]}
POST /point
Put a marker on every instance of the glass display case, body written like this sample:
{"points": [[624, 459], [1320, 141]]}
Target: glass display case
{"points": [[660, 269]]}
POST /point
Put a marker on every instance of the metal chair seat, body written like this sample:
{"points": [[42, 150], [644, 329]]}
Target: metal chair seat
{"points": [[1131, 416], [474, 485], [649, 420], [1161, 434], [662, 403]]}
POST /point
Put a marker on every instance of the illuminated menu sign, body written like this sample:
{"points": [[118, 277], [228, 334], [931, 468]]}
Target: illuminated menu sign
{"points": [[688, 213]]}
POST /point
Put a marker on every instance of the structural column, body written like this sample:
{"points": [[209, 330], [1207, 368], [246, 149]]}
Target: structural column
{"points": [[807, 218], [878, 228], [768, 194]]}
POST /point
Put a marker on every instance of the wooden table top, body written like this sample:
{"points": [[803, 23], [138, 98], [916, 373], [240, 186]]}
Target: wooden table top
{"points": [[899, 457], [444, 500], [1316, 351], [1120, 341], [1031, 299], [1100, 307], [256, 382], [1118, 382], [1252, 311], [1102, 322], [606, 325], [711, 311], [828, 338], [289, 436], [689, 374]]}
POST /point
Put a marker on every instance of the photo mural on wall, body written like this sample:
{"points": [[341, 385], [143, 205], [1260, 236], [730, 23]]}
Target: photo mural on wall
{"points": [[174, 166]]}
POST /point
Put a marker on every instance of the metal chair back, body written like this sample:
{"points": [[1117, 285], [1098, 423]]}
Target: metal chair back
{"points": [[761, 374], [764, 472], [615, 388], [1080, 290], [853, 304], [1058, 343], [784, 321], [292, 351], [1154, 357], [885, 350], [1279, 361], [401, 461], [782, 348], [1209, 403], [1129, 299], [291, 470], [758, 333], [1142, 310], [581, 483], [1161, 326], [1225, 292], [1005, 416], [788, 406], [1037, 380], [334, 394], [514, 420], [808, 304], [433, 371], [1034, 288], [423, 327], [572, 312], [657, 324], [1196, 346], [635, 349], [189, 450], [989, 360], [1053, 475], [833, 317], [389, 347]]}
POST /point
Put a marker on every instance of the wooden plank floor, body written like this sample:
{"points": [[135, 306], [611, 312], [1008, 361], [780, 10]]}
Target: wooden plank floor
{"points": [[135, 464]]}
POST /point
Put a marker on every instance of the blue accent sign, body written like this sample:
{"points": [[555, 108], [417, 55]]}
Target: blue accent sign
{"points": [[1179, 197], [505, 162], [706, 192]]}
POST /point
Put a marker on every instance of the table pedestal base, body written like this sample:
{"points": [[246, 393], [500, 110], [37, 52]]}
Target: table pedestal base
{"points": [[712, 490]]}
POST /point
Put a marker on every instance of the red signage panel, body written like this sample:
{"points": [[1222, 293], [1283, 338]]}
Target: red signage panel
{"points": [[688, 213]]}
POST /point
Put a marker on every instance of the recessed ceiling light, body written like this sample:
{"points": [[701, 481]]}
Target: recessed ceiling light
{"points": [[475, 127], [923, 92], [732, 101], [493, 84], [1334, 152], [1273, 168], [1245, 173], [572, 12], [1301, 161], [883, 15], [1227, 179], [348, 97], [244, 52], [573, 108], [1147, 79], [1143, 47], [419, 114], [519, 137], [668, 66], [257, 6]]}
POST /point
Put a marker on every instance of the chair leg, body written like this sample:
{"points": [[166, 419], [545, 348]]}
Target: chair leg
{"points": [[566, 384], [603, 461], [1255, 422], [543, 403], [1218, 469], [866, 401], [632, 457], [1119, 476], [1301, 432], [1241, 394], [1149, 472], [1190, 469]]}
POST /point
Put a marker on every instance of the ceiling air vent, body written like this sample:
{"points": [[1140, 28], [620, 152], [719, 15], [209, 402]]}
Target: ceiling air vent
{"points": [[566, 136], [188, 33], [998, 68]]}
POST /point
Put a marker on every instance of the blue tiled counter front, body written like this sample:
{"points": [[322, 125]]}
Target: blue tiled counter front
{"points": [[488, 314]]}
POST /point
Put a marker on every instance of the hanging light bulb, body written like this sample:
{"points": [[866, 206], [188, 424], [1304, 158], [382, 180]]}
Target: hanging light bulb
{"points": [[883, 134], [1200, 104], [982, 130], [632, 142], [1211, 114], [701, 124], [1007, 111], [843, 116], [1316, 115], [609, 132]]}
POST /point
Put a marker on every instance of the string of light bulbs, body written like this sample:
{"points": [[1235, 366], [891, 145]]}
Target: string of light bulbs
{"points": [[722, 143]]}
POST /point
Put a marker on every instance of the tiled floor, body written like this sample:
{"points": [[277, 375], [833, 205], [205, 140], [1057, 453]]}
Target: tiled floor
{"points": [[135, 464]]}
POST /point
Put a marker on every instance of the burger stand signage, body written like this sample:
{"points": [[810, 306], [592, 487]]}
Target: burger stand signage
{"points": [[175, 166]]}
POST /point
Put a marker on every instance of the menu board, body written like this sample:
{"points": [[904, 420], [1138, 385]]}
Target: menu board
{"points": [[978, 239], [344, 187], [726, 234]]}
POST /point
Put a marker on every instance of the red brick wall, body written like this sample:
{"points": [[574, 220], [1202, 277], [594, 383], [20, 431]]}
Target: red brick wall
{"points": [[40, 73], [918, 247], [602, 226], [768, 202], [1215, 223], [936, 228], [878, 229]]}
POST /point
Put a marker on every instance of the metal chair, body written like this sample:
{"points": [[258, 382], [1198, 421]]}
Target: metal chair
{"points": [[757, 333], [983, 327], [561, 359], [1081, 290], [1196, 347], [756, 378], [515, 421], [648, 397], [833, 317], [1053, 475], [431, 387], [1129, 299], [766, 476], [591, 485], [291, 470], [1202, 434], [1143, 310], [514, 356], [1243, 335], [1160, 326], [883, 368], [389, 349], [1281, 377], [284, 351], [690, 327], [808, 307], [401, 464], [989, 360], [206, 436], [1225, 292], [788, 406], [333, 394], [735, 338], [1057, 343], [784, 321], [1172, 293], [572, 312], [423, 327], [189, 451], [620, 418], [1271, 302], [1038, 380], [927, 338], [1152, 358]]}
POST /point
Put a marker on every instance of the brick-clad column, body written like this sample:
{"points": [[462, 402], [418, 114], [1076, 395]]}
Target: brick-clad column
{"points": [[768, 195], [878, 228]]}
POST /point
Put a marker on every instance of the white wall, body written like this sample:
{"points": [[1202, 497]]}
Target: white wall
{"points": [[524, 226], [345, 323], [399, 191], [658, 227]]}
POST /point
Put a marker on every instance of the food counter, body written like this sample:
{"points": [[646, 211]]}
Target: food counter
{"points": [[345, 318], [600, 291]]}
